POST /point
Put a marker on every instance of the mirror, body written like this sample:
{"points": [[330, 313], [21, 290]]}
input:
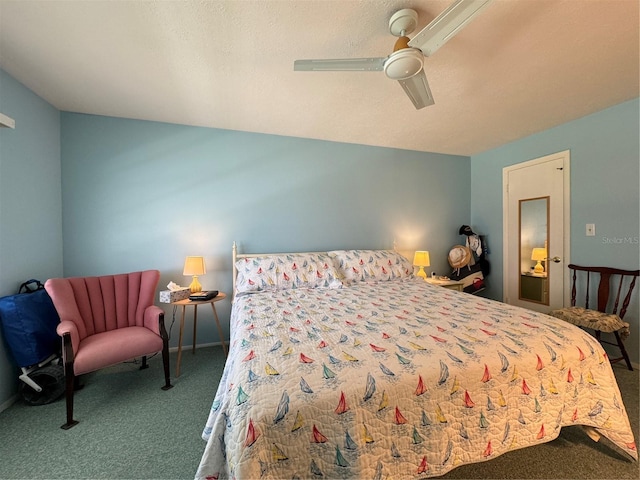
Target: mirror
{"points": [[534, 244]]}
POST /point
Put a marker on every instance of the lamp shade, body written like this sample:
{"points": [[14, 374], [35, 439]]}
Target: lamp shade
{"points": [[539, 254], [194, 266], [421, 259]]}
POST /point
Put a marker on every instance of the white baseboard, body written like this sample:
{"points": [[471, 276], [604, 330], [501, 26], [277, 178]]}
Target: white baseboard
{"points": [[6, 404], [624, 365], [199, 345]]}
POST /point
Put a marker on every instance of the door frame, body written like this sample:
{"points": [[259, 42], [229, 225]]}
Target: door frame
{"points": [[565, 156]]}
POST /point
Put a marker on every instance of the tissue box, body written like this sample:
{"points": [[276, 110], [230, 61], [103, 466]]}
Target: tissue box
{"points": [[170, 296]]}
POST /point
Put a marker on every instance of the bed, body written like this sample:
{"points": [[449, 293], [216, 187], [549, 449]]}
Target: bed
{"points": [[345, 365]]}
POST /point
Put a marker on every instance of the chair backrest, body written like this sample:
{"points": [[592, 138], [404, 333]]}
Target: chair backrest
{"points": [[608, 278], [100, 304]]}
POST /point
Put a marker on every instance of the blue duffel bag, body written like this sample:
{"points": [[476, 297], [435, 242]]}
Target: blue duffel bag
{"points": [[29, 322]]}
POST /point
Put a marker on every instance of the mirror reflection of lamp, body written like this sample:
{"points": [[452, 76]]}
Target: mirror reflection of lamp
{"points": [[421, 259], [194, 266], [539, 254]]}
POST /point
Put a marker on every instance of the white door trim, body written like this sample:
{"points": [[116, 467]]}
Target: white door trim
{"points": [[566, 207]]}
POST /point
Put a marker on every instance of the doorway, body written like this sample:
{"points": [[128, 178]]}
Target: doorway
{"points": [[536, 231]]}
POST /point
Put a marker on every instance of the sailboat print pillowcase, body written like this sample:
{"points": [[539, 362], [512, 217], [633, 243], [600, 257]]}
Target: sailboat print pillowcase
{"points": [[371, 265], [286, 271]]}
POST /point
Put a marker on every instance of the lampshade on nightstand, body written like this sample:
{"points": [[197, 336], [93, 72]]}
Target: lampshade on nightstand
{"points": [[539, 254], [421, 259], [194, 266]]}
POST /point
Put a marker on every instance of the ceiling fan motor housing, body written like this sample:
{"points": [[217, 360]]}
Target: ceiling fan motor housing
{"points": [[403, 64]]}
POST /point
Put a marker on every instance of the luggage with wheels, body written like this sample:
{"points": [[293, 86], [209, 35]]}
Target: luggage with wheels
{"points": [[46, 383], [29, 322]]}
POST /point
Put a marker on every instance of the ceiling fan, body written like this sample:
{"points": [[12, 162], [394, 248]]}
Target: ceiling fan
{"points": [[406, 63]]}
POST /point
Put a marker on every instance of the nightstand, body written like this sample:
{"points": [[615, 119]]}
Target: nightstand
{"points": [[534, 287], [450, 284], [186, 303]]}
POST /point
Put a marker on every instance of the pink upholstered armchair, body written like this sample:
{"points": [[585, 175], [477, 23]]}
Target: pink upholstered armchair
{"points": [[107, 320]]}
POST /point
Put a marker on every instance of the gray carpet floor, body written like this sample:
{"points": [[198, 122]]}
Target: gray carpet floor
{"points": [[130, 429]]}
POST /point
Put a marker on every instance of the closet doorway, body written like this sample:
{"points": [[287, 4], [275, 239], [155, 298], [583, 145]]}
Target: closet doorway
{"points": [[536, 231]]}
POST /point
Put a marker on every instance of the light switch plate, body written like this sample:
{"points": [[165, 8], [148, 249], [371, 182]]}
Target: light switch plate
{"points": [[591, 230]]}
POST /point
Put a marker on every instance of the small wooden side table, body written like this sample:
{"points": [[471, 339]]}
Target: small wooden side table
{"points": [[451, 284], [194, 304]]}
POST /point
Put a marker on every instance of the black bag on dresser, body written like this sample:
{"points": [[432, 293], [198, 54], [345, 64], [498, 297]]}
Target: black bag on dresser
{"points": [[471, 276]]}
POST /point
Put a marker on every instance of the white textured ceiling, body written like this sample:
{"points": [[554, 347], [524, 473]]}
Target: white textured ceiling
{"points": [[520, 67]]}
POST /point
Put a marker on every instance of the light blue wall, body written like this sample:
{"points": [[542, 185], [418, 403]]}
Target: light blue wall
{"points": [[605, 179], [30, 201], [142, 195]]}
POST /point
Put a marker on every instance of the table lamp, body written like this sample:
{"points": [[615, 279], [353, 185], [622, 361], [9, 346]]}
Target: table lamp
{"points": [[421, 259], [194, 266], [539, 254]]}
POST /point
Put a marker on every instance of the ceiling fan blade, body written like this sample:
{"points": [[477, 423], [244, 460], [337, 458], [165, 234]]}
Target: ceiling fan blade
{"points": [[446, 25], [417, 88], [339, 65]]}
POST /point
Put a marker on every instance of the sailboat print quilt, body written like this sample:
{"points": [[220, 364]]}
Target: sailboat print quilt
{"points": [[398, 379]]}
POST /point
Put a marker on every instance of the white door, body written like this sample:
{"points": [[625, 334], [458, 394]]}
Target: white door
{"points": [[536, 232]]}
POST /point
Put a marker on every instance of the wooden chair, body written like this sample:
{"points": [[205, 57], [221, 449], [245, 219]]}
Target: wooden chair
{"points": [[605, 318]]}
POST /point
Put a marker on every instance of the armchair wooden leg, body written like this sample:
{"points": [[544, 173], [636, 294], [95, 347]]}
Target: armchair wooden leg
{"points": [[167, 380], [70, 380], [144, 365], [165, 354]]}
